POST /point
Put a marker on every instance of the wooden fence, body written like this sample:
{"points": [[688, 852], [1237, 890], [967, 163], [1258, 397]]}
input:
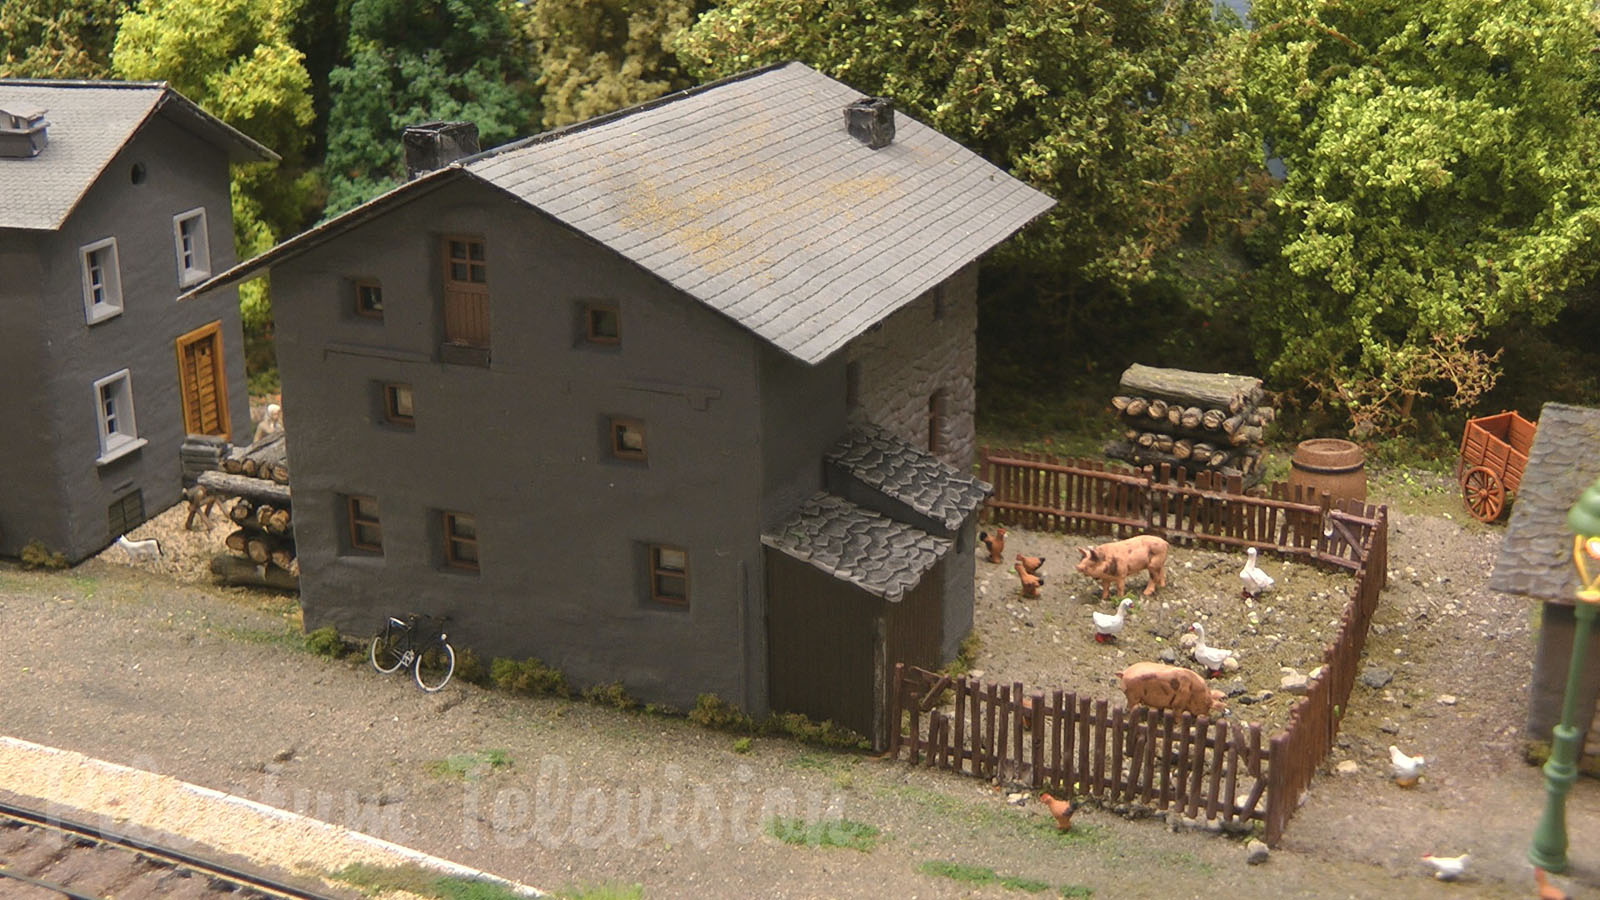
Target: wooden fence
{"points": [[1215, 769]]}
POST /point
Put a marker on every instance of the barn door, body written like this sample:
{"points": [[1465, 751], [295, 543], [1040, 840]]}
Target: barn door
{"points": [[822, 644], [202, 382]]}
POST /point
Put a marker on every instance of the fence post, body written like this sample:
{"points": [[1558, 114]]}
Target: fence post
{"points": [[894, 710]]}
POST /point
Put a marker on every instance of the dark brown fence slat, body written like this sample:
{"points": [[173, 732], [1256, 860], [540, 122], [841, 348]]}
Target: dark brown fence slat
{"points": [[1116, 751], [1218, 763], [1036, 751], [1099, 781], [1003, 739], [1016, 731]]}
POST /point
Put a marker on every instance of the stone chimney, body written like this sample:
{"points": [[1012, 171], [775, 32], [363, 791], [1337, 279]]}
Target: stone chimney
{"points": [[434, 145], [870, 120], [22, 132]]}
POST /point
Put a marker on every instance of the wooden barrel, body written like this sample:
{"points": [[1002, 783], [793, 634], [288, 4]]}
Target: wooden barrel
{"points": [[1332, 465]]}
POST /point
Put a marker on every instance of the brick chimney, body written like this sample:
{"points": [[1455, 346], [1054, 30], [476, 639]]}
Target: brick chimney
{"points": [[23, 132], [434, 145], [870, 120]]}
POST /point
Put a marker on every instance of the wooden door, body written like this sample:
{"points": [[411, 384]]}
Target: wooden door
{"points": [[822, 643], [202, 382], [466, 292]]}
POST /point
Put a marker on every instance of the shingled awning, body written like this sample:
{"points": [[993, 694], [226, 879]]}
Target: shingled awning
{"points": [[1536, 555], [910, 475], [883, 557]]}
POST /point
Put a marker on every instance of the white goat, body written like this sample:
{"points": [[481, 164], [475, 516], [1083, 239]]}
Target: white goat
{"points": [[148, 550]]}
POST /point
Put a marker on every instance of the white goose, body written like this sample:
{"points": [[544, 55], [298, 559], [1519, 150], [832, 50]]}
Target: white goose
{"points": [[1255, 580], [1210, 657], [1107, 627]]}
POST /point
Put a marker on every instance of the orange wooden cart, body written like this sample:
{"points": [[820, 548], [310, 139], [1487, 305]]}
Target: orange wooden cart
{"points": [[1494, 451]]}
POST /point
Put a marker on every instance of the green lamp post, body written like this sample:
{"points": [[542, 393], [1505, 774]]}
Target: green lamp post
{"points": [[1549, 850]]}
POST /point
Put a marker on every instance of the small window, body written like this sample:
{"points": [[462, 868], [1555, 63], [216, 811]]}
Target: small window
{"points": [[936, 422], [369, 299], [460, 541], [602, 325], [102, 281], [465, 261], [366, 530], [114, 402], [194, 248], [852, 384], [397, 404], [627, 439], [669, 575]]}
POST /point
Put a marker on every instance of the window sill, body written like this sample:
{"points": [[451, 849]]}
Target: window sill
{"points": [[192, 278], [95, 318], [119, 451]]}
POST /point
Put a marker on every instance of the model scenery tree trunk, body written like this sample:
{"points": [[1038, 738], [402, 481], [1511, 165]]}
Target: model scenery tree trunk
{"points": [[1198, 420]]}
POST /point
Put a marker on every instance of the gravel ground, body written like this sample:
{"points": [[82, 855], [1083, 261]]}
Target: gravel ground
{"points": [[210, 685]]}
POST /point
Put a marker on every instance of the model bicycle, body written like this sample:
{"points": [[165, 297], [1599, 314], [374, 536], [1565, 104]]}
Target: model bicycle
{"points": [[417, 643]]}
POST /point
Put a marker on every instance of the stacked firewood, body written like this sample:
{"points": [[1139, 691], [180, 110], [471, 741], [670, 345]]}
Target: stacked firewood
{"points": [[256, 478], [1196, 420]]}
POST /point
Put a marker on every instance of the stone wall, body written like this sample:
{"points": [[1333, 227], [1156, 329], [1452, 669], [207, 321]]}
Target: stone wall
{"points": [[927, 349]]}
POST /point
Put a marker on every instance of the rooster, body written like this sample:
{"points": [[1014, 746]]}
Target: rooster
{"points": [[1060, 810], [996, 544], [1447, 868], [1406, 769], [1548, 891], [1030, 583], [1031, 563]]}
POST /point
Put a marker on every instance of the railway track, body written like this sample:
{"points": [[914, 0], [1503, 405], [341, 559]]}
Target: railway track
{"points": [[47, 857]]}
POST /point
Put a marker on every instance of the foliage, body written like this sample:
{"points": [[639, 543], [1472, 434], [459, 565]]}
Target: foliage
{"points": [[470, 668], [529, 676], [743, 745], [980, 876], [711, 711], [325, 641], [469, 766], [415, 879], [1122, 110], [824, 833], [414, 61], [596, 57], [1438, 185], [35, 555], [58, 38], [611, 694]]}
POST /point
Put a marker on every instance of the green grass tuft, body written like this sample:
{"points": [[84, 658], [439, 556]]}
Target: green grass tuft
{"points": [[325, 641], [375, 880], [980, 876], [831, 833], [602, 892], [469, 766]]}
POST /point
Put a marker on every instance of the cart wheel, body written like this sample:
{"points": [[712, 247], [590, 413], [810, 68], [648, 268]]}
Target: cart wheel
{"points": [[1483, 494]]}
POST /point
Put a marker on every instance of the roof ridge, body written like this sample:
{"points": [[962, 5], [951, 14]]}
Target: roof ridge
{"points": [[607, 118], [85, 83]]}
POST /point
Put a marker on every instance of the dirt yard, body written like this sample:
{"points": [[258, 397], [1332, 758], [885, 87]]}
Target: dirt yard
{"points": [[163, 671]]}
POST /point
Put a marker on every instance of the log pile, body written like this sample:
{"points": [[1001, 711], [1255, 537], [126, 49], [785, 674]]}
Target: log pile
{"points": [[256, 480], [1193, 420]]}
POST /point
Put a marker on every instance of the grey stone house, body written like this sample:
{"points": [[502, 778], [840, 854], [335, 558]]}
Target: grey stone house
{"points": [[652, 397], [113, 201], [1535, 561]]}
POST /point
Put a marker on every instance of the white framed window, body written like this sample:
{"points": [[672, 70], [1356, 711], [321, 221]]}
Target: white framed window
{"points": [[193, 246], [102, 281], [119, 435]]}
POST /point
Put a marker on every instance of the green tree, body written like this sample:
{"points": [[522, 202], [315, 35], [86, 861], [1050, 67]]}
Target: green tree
{"points": [[1440, 182], [1117, 108], [234, 59], [413, 61], [595, 57], [58, 38]]}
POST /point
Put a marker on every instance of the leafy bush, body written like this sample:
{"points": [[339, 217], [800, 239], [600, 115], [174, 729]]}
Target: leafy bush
{"points": [[530, 676], [742, 745], [35, 555], [711, 711], [611, 694], [470, 668], [325, 641]]}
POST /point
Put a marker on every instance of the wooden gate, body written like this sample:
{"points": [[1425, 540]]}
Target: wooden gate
{"points": [[202, 381]]}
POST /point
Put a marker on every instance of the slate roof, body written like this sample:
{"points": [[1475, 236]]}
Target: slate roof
{"points": [[88, 122], [749, 195], [910, 475], [877, 554], [1536, 554]]}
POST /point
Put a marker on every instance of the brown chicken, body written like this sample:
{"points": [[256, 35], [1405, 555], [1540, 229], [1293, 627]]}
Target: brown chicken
{"points": [[1031, 563], [996, 543], [1548, 891], [1030, 583], [1060, 810]]}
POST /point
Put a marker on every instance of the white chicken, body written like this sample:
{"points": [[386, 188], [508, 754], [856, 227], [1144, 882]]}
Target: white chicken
{"points": [[1212, 658], [1255, 580], [1107, 627], [1406, 769], [1447, 868]]}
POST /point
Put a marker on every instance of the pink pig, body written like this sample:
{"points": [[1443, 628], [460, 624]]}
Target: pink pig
{"points": [[1169, 687], [1114, 562]]}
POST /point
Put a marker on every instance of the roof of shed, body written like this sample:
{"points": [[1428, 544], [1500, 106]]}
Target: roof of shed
{"points": [[1536, 554], [875, 553], [749, 195], [909, 474], [88, 123]]}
